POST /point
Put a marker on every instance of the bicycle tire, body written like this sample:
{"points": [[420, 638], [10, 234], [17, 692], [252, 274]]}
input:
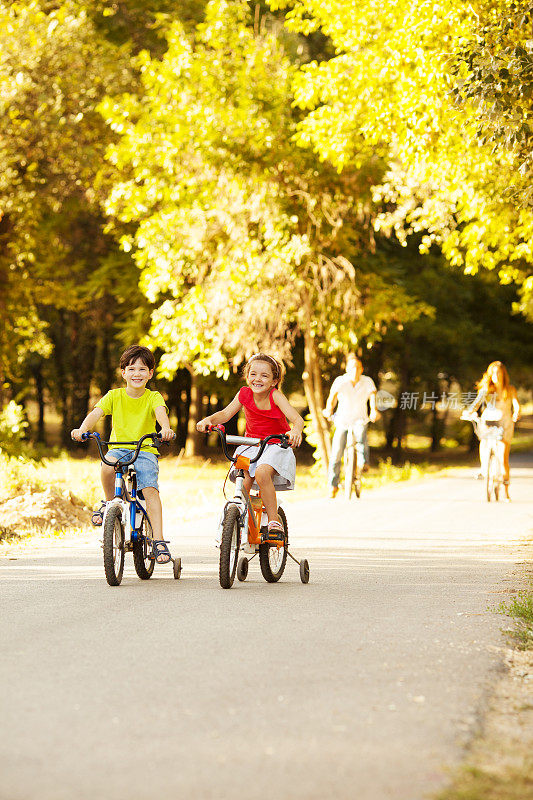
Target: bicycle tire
{"points": [[229, 547], [113, 546], [349, 470], [144, 566], [490, 477], [269, 554]]}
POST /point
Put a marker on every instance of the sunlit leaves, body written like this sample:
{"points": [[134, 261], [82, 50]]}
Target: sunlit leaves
{"points": [[389, 90], [231, 213]]}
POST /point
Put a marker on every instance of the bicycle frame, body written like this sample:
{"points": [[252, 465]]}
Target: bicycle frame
{"points": [[351, 438], [250, 518], [491, 445], [128, 500], [239, 512]]}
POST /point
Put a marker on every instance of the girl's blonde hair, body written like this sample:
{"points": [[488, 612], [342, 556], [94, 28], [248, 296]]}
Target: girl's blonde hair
{"points": [[278, 370], [488, 384]]}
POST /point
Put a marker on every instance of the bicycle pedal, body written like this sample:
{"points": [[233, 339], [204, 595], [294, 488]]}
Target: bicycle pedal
{"points": [[272, 537]]}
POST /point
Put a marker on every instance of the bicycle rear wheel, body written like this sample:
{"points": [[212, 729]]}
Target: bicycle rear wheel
{"points": [[492, 467], [272, 558], [114, 546], [144, 565], [229, 547], [349, 469]]}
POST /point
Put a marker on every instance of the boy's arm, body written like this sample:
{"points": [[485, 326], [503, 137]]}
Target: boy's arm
{"points": [[220, 416], [295, 434], [162, 417], [88, 423]]}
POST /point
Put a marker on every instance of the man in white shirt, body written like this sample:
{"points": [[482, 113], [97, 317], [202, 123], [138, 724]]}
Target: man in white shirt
{"points": [[350, 392]]}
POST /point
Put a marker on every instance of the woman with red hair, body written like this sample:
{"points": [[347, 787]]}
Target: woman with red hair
{"points": [[496, 392]]}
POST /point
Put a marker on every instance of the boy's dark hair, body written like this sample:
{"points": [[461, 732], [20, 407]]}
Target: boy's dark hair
{"points": [[134, 352]]}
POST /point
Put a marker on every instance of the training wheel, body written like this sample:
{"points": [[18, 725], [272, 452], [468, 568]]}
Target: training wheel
{"points": [[304, 570], [177, 568], [242, 569]]}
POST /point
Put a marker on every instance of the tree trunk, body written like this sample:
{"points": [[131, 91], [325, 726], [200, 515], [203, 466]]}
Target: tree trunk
{"points": [[39, 391], [436, 424], [193, 444], [314, 394], [398, 424], [108, 375]]}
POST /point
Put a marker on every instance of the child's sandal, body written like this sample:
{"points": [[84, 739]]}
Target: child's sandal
{"points": [[160, 550], [275, 531], [97, 517]]}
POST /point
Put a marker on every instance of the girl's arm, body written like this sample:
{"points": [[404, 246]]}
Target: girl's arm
{"points": [[88, 423], [295, 434], [162, 417], [516, 406], [477, 402], [220, 416]]}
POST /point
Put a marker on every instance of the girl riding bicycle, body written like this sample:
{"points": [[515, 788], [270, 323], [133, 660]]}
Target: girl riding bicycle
{"points": [[496, 392], [267, 411]]}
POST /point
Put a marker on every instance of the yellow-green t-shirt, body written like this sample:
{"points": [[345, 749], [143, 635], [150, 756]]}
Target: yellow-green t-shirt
{"points": [[132, 416]]}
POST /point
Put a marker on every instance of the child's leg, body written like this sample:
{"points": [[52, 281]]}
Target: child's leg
{"points": [[248, 481], [107, 475], [155, 511], [263, 476]]}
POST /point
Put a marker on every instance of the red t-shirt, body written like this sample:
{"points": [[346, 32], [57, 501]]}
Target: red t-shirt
{"points": [[262, 422]]}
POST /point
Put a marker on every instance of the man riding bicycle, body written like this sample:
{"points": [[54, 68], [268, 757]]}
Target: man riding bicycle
{"points": [[351, 393]]}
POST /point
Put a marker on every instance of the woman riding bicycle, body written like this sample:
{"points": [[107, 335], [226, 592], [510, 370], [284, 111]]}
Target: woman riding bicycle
{"points": [[495, 392]]}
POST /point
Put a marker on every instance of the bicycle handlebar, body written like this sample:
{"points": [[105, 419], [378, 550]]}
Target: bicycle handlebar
{"points": [[282, 438], [156, 438]]}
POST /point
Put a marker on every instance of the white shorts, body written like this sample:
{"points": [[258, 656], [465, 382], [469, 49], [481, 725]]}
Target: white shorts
{"points": [[281, 459]]}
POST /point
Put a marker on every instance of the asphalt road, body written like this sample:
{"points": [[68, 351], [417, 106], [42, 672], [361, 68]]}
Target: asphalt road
{"points": [[367, 683]]}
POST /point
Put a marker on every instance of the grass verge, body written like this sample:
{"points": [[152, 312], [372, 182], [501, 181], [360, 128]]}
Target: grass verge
{"points": [[500, 763], [479, 784]]}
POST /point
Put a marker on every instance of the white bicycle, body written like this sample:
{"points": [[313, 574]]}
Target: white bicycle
{"points": [[352, 475], [491, 447]]}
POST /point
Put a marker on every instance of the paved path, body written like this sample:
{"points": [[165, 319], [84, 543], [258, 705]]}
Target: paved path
{"points": [[367, 683]]}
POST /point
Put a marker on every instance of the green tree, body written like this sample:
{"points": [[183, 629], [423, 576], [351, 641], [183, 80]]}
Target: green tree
{"points": [[244, 239], [68, 287], [387, 90]]}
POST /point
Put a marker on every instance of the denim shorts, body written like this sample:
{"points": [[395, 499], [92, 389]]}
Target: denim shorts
{"points": [[146, 466]]}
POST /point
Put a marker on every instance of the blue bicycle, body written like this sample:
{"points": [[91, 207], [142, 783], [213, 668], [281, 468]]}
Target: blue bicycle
{"points": [[126, 525]]}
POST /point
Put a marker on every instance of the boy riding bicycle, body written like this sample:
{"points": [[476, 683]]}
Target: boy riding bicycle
{"points": [[134, 411]]}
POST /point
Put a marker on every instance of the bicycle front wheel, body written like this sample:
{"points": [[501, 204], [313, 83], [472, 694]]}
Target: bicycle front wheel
{"points": [[229, 547], [349, 469], [114, 546], [491, 476], [272, 558], [142, 550]]}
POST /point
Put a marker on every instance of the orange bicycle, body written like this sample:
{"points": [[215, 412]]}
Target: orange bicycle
{"points": [[246, 512]]}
